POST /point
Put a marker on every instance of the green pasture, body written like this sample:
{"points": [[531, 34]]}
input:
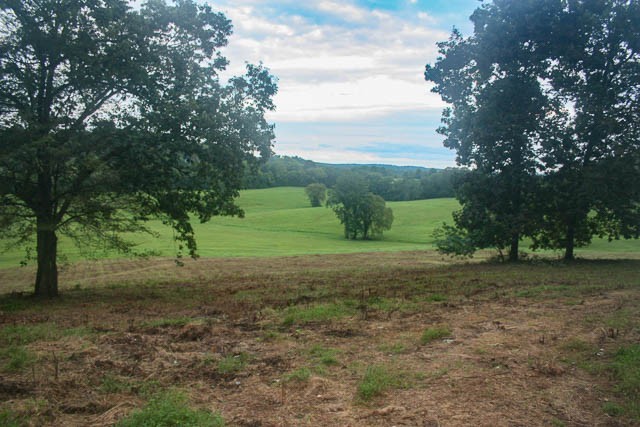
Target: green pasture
{"points": [[280, 221]]}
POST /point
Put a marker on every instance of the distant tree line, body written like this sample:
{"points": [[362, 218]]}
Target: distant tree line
{"points": [[545, 110], [392, 183]]}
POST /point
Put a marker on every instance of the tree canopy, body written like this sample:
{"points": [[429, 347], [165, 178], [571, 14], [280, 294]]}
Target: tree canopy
{"points": [[544, 109], [110, 116], [362, 213], [317, 194]]}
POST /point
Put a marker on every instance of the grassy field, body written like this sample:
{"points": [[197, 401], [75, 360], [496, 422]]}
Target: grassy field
{"points": [[278, 324], [378, 339], [279, 221]]}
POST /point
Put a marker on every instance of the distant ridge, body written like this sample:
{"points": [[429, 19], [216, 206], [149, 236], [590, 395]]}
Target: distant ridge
{"points": [[392, 182]]}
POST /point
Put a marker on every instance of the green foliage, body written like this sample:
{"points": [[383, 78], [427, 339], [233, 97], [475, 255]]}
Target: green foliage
{"points": [[16, 358], [26, 334], [393, 348], [103, 126], [453, 241], [8, 418], [612, 409], [361, 212], [377, 380], [300, 375], [432, 334], [170, 409], [626, 369], [233, 364], [392, 183], [317, 313], [324, 356], [317, 194], [112, 384], [542, 109]]}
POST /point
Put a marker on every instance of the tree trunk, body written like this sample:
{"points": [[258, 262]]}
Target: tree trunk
{"points": [[513, 250], [568, 249], [47, 248]]}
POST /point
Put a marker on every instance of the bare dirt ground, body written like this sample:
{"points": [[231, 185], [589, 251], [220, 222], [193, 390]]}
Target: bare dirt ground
{"points": [[289, 341]]}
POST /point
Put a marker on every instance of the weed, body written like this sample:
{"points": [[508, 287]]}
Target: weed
{"points": [[395, 348], [112, 384], [207, 359], [171, 409], [147, 388], [437, 298], [270, 336], [13, 302], [9, 418], [621, 319], [299, 375], [324, 356], [26, 334], [232, 364], [577, 345], [626, 370], [164, 323], [377, 380], [612, 409], [432, 334], [16, 358], [317, 313]]}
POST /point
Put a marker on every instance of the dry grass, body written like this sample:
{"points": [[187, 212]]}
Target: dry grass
{"points": [[529, 344]]}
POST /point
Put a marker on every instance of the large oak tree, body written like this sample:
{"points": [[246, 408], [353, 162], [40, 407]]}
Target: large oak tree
{"points": [[110, 116], [571, 113]]}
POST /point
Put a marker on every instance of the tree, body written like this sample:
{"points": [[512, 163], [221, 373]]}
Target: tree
{"points": [[361, 212], [317, 194], [111, 116], [592, 52], [568, 79], [494, 124]]}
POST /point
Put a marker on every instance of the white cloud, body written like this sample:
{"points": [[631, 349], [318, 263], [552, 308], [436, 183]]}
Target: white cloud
{"points": [[342, 10], [351, 64], [353, 99], [338, 71]]}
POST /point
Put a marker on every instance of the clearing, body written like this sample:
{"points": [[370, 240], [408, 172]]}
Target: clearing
{"points": [[379, 339]]}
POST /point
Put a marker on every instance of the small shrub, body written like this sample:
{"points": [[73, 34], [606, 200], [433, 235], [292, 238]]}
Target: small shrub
{"points": [[432, 334], [453, 242], [170, 409]]}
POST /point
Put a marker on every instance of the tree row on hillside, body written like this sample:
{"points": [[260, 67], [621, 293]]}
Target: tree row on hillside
{"points": [[393, 183], [545, 109]]}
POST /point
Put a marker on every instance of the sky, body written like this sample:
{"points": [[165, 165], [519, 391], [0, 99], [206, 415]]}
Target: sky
{"points": [[350, 74]]}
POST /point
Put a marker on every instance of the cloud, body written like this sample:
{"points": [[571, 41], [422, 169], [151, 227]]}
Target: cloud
{"points": [[335, 70], [350, 76], [342, 10]]}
